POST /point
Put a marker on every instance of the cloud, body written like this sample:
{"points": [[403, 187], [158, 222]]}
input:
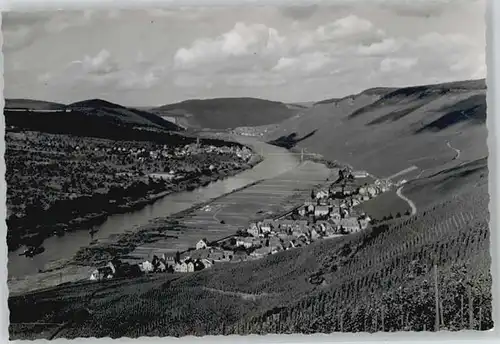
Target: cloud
{"points": [[384, 47], [100, 64], [299, 12], [390, 64], [18, 37], [139, 80], [242, 40], [424, 8], [348, 29], [306, 63], [65, 20], [255, 80], [102, 70]]}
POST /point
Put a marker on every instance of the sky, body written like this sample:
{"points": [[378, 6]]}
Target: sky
{"points": [[290, 54]]}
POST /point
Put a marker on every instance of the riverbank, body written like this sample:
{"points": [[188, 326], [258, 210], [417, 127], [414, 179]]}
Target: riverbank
{"points": [[60, 183], [59, 254], [78, 268], [121, 245], [108, 206]]}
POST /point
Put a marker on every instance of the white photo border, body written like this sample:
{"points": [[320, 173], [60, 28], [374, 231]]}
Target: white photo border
{"points": [[493, 124]]}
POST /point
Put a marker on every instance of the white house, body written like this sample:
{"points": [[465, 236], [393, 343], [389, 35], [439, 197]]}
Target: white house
{"points": [[207, 263], [350, 225], [266, 226], [372, 191], [190, 267], [314, 234], [101, 274], [253, 230], [359, 174], [202, 244], [246, 242], [322, 194], [146, 266], [261, 252], [181, 267], [335, 215], [321, 211]]}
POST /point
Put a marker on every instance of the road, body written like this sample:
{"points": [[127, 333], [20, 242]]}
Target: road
{"points": [[407, 200], [457, 151]]}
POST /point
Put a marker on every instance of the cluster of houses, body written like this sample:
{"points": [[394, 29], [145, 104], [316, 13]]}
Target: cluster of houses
{"points": [[162, 264], [329, 213], [243, 153]]}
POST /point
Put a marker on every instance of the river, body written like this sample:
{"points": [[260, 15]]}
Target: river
{"points": [[276, 161]]}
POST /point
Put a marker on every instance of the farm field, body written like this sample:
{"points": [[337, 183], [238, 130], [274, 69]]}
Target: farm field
{"points": [[223, 216]]}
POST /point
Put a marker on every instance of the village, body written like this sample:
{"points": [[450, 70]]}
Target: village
{"points": [[331, 211]]}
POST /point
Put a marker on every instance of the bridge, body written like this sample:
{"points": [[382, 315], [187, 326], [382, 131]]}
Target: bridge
{"points": [[302, 154]]}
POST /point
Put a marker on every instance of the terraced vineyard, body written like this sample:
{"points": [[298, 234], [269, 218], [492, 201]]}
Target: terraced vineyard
{"points": [[379, 280], [383, 280]]}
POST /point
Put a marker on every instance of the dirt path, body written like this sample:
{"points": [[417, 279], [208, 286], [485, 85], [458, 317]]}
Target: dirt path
{"points": [[457, 151], [244, 296], [407, 200]]}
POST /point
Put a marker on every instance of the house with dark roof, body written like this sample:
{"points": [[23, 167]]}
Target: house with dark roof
{"points": [[102, 273]]}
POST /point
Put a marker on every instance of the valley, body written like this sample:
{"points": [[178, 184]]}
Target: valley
{"points": [[429, 140]]}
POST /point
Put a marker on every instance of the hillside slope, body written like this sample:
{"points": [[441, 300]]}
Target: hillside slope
{"points": [[387, 130], [225, 113], [93, 118], [32, 104], [380, 279]]}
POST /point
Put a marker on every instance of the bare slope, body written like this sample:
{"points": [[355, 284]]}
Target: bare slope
{"points": [[225, 113], [387, 130]]}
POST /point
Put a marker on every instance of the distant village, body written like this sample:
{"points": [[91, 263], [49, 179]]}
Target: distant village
{"points": [[329, 212]]}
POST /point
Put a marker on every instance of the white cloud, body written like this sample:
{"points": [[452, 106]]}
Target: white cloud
{"points": [[241, 40], [133, 80], [17, 37], [102, 70], [100, 64], [255, 80], [386, 46], [339, 34], [305, 63], [64, 20], [397, 64]]}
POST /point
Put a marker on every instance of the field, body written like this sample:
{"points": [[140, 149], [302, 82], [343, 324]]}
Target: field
{"points": [[236, 209], [385, 205]]}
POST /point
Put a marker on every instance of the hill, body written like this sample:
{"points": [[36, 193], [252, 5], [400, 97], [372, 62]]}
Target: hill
{"points": [[32, 104], [387, 130], [92, 118], [384, 278], [380, 279], [127, 116], [226, 113], [95, 103]]}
